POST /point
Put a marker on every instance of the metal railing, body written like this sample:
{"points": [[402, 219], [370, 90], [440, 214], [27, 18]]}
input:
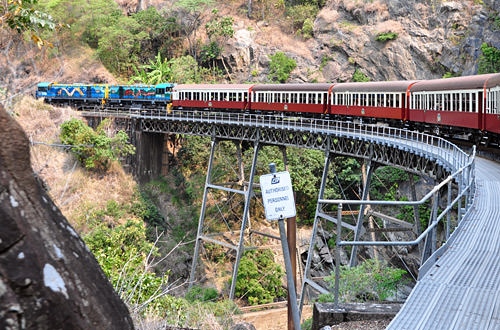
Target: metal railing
{"points": [[465, 179], [436, 148]]}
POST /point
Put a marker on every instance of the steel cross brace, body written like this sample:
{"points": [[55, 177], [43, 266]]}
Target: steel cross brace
{"points": [[305, 279], [361, 216]]}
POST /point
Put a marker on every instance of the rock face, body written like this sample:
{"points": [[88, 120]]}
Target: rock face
{"points": [[433, 37], [48, 277]]}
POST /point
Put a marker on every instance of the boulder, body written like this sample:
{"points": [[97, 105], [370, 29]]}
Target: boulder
{"points": [[48, 277]]}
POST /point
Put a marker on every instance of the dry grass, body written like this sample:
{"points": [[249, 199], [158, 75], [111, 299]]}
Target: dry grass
{"points": [[328, 14], [74, 190], [388, 26]]}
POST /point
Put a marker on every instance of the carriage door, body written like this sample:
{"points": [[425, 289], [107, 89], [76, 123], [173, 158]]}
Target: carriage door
{"points": [[404, 106], [324, 102], [120, 92], [89, 91], [481, 115]]}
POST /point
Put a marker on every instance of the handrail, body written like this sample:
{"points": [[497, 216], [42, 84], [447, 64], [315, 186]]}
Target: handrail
{"points": [[445, 152], [464, 173]]}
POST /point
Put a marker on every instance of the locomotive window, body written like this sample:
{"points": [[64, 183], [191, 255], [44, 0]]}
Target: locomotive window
{"points": [[42, 89]]}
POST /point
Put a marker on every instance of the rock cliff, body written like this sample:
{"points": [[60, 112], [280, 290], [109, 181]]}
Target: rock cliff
{"points": [[433, 38]]}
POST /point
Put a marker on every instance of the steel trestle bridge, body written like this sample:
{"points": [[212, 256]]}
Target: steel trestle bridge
{"points": [[445, 278]]}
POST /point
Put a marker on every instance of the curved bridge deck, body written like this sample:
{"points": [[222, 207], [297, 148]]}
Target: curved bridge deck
{"points": [[462, 290]]}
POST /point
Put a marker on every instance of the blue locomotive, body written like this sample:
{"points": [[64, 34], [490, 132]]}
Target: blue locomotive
{"points": [[84, 96]]}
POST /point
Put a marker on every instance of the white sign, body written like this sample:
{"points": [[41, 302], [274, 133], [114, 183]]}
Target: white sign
{"points": [[277, 195]]}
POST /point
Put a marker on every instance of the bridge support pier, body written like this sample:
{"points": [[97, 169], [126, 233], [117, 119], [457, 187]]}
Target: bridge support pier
{"points": [[148, 155]]}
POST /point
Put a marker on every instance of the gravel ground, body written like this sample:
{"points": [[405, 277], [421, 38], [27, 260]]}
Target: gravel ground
{"points": [[364, 325]]}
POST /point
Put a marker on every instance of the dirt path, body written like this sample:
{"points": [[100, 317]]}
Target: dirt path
{"points": [[272, 319]]}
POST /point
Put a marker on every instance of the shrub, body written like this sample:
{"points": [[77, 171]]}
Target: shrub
{"points": [[450, 75], [386, 36], [124, 254], [280, 67], [197, 293], [372, 280], [259, 278], [489, 62], [359, 76], [94, 149], [307, 28], [300, 13]]}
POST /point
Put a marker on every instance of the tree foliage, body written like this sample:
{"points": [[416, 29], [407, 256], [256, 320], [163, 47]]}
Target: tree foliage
{"points": [[182, 70], [489, 62], [192, 19], [280, 67], [21, 16], [359, 76], [121, 41], [95, 150], [259, 278]]}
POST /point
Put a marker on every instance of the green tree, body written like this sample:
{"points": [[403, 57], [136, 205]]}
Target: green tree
{"points": [[185, 70], [21, 16], [163, 34], [280, 67], [94, 149], [219, 26], [489, 61], [193, 16], [119, 45]]}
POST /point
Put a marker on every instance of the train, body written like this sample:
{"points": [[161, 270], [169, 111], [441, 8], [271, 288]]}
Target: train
{"points": [[87, 96], [467, 106]]}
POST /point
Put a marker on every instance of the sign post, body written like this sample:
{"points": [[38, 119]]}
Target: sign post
{"points": [[277, 195]]}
